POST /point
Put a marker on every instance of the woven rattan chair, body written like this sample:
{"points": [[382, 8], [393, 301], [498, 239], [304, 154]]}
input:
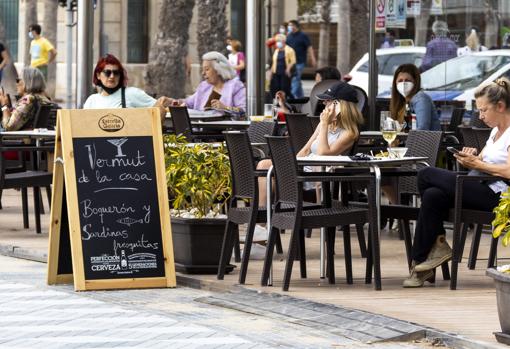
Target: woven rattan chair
{"points": [[300, 130], [24, 180], [289, 184], [182, 125], [245, 189], [257, 132], [482, 135], [419, 143], [468, 137], [461, 217]]}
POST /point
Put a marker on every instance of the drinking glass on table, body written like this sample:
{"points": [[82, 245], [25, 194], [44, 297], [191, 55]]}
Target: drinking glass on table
{"points": [[389, 129]]}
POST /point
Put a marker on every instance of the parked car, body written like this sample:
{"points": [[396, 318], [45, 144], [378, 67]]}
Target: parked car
{"points": [[457, 78], [388, 60]]}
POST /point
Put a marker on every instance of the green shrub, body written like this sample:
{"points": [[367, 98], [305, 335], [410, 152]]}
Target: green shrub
{"points": [[198, 176]]}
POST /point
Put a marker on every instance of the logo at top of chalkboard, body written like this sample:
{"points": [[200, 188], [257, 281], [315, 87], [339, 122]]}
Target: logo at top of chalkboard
{"points": [[111, 123]]}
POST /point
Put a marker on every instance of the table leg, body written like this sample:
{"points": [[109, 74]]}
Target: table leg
{"points": [[376, 233], [268, 210]]}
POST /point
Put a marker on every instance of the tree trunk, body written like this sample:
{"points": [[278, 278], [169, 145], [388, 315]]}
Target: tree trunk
{"points": [[343, 35], [491, 23], [324, 33], [212, 26], [166, 73], [359, 33], [421, 24], [9, 73], [50, 32], [30, 18]]}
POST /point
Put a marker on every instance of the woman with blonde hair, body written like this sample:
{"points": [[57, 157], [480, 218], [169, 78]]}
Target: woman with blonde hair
{"points": [[437, 186], [335, 135], [472, 44]]}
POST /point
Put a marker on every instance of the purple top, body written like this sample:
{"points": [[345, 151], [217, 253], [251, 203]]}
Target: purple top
{"points": [[439, 50], [233, 94]]}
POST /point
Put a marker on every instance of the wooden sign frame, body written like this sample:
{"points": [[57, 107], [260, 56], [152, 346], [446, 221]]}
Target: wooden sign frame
{"points": [[74, 124]]}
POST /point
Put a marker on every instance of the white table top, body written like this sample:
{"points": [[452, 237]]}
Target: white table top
{"points": [[379, 134], [37, 133], [200, 114], [326, 160]]}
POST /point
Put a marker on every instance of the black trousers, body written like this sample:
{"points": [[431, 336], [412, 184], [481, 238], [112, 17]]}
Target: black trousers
{"points": [[280, 82], [437, 190]]}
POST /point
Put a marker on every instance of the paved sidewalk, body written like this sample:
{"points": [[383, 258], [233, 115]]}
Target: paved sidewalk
{"points": [[470, 311], [34, 315]]}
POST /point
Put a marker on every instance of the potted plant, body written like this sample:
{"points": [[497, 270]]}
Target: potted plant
{"points": [[501, 275], [199, 185]]}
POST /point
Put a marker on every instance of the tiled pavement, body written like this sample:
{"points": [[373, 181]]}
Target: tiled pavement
{"points": [[33, 315]]}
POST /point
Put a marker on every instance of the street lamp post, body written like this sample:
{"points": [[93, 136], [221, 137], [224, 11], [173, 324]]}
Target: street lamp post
{"points": [[84, 57], [255, 64]]}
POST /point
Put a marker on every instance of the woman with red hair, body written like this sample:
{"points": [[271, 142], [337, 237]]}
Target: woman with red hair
{"points": [[111, 79]]}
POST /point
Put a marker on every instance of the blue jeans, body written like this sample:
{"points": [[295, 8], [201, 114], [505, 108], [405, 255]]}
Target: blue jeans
{"points": [[295, 86]]}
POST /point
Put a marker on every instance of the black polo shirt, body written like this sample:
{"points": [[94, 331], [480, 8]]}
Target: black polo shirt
{"points": [[299, 41]]}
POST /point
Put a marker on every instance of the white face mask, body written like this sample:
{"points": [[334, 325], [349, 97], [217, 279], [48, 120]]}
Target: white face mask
{"points": [[282, 30], [279, 44], [405, 88], [30, 35], [229, 48]]}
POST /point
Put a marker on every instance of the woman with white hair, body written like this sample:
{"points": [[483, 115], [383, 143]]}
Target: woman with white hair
{"points": [[31, 89], [221, 89], [441, 48]]}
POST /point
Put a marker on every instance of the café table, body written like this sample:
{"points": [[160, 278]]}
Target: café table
{"points": [[37, 134], [222, 124], [373, 165], [205, 115]]}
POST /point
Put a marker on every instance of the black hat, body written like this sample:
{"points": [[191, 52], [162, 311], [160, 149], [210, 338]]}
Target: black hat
{"points": [[340, 90]]}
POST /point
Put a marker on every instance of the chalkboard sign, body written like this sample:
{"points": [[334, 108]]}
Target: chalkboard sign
{"points": [[117, 205]]}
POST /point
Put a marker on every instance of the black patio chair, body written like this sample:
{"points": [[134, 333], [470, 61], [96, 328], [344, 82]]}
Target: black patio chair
{"points": [[315, 121], [25, 179], [245, 189], [461, 217], [257, 132], [289, 184], [482, 135], [182, 125], [300, 130]]}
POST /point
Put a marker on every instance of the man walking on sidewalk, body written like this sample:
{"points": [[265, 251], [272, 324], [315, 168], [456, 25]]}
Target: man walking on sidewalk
{"points": [[300, 42], [42, 51]]}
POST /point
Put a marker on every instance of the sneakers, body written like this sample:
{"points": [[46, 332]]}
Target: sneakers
{"points": [[417, 279], [441, 252], [259, 234]]}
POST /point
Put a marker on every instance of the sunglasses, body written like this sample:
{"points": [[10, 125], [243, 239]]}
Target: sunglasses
{"points": [[18, 80], [109, 72]]}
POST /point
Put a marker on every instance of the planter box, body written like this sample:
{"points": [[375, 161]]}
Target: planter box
{"points": [[502, 282], [197, 244]]}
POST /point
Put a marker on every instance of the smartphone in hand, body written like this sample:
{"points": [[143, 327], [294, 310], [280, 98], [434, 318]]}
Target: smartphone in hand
{"points": [[453, 150]]}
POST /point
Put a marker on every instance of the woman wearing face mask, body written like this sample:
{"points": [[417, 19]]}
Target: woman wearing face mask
{"points": [[236, 58], [284, 59], [408, 97], [111, 80]]}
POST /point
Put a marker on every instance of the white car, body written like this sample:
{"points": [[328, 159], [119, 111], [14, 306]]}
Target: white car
{"points": [[458, 78], [388, 61]]}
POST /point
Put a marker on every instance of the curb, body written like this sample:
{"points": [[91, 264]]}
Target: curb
{"points": [[418, 332], [23, 253]]}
